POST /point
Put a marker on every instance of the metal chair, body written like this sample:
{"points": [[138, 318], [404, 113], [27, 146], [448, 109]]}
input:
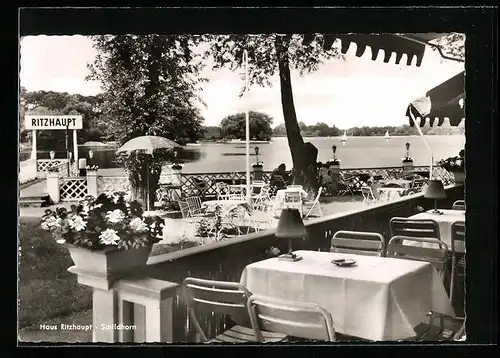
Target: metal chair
{"points": [[458, 205], [457, 253], [301, 320], [229, 298], [222, 191], [398, 247], [262, 200], [425, 228], [358, 242], [368, 197], [314, 205]]}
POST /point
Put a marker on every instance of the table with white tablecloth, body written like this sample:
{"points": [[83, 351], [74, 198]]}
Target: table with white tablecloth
{"points": [[388, 194], [377, 299], [444, 220]]}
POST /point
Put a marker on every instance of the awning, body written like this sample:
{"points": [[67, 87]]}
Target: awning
{"points": [[442, 104], [413, 45]]}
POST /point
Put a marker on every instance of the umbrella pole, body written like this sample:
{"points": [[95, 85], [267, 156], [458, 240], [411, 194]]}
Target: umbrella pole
{"points": [[147, 184], [426, 144], [247, 134]]}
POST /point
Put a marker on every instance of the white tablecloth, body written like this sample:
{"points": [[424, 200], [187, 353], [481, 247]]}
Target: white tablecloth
{"points": [[379, 299], [388, 194], [444, 221]]}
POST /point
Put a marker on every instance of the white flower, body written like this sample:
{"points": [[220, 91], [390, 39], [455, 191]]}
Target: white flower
{"points": [[85, 209], [76, 222], [115, 199], [109, 237], [53, 222], [96, 206], [109, 193], [44, 226], [128, 196], [115, 216], [138, 225], [60, 241]]}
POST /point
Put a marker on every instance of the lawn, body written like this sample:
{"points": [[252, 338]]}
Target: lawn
{"points": [[45, 288]]}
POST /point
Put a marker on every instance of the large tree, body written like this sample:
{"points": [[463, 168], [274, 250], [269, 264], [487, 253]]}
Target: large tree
{"points": [[150, 87], [234, 126], [272, 54]]}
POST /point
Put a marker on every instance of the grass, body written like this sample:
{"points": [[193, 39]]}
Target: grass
{"points": [[45, 288]]}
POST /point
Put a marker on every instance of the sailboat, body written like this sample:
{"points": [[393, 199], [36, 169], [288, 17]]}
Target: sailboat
{"points": [[387, 136], [344, 138]]}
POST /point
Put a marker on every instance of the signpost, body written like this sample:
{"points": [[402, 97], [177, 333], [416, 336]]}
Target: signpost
{"points": [[44, 122]]}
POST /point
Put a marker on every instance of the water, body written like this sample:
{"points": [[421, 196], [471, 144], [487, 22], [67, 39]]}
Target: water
{"points": [[358, 152]]}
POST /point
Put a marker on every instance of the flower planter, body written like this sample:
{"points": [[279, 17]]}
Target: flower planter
{"points": [[109, 263], [459, 177], [257, 172], [407, 166]]}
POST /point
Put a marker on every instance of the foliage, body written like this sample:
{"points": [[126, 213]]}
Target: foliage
{"points": [[92, 167], [211, 224], [211, 132], [110, 220], [454, 164], [319, 129], [151, 85], [234, 127], [453, 45]]}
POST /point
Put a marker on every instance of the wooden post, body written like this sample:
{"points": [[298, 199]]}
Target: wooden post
{"points": [[75, 149], [53, 189], [92, 188], [33, 146]]}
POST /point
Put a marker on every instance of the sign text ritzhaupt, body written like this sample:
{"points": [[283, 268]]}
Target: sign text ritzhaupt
{"points": [[53, 122]]}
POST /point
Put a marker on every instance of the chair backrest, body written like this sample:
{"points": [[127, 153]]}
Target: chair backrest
{"points": [[358, 242], [367, 193], [401, 247], [184, 207], [278, 180], [426, 228], [221, 297], [458, 237], [194, 202], [302, 320], [459, 205], [222, 190]]}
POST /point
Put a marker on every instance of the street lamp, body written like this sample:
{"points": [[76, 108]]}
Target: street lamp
{"points": [[52, 155], [257, 154], [334, 148]]}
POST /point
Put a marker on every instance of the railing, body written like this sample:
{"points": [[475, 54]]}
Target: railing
{"points": [[27, 171], [226, 260], [116, 183], [73, 189]]}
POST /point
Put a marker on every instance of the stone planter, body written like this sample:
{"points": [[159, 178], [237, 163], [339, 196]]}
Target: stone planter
{"points": [[459, 177], [407, 166], [110, 263]]}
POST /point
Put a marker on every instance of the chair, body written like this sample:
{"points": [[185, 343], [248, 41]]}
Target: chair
{"points": [[392, 185], [425, 228], [195, 207], [278, 181], [315, 205], [293, 186], [184, 207], [458, 205], [262, 200], [368, 197], [399, 247], [222, 191], [302, 320], [457, 253], [229, 298], [357, 242]]}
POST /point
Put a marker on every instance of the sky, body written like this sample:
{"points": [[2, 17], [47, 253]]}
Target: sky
{"points": [[346, 93]]}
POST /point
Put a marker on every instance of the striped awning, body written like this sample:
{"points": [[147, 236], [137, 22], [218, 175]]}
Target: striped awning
{"points": [[442, 104], [413, 45]]}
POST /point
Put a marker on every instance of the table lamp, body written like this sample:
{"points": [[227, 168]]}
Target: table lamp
{"points": [[435, 190], [290, 227]]}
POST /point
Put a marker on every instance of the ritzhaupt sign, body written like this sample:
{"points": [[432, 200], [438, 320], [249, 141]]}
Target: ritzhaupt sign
{"points": [[53, 122]]}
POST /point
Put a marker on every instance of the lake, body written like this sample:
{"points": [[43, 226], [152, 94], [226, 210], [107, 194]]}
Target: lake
{"points": [[358, 152]]}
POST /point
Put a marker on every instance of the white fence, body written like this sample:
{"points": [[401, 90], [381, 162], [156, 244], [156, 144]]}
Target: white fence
{"points": [[27, 171]]}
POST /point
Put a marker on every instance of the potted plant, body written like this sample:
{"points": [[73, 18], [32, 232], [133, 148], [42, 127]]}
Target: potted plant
{"points": [[407, 160], [92, 167], [107, 236], [455, 165], [257, 166]]}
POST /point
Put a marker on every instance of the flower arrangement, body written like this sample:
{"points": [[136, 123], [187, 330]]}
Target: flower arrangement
{"points": [[53, 168], [454, 164], [109, 221], [92, 167], [407, 159], [258, 163]]}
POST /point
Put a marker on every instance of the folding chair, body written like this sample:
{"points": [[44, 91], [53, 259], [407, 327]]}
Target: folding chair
{"points": [[368, 197], [229, 298], [457, 253], [399, 247], [358, 242], [301, 320], [262, 200], [425, 228], [315, 205], [222, 191], [458, 205]]}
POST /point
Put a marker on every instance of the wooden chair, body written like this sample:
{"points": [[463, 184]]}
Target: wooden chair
{"points": [[425, 228], [183, 205], [458, 205], [301, 320], [357, 242], [457, 253], [368, 197], [195, 207], [314, 205], [399, 247], [229, 298]]}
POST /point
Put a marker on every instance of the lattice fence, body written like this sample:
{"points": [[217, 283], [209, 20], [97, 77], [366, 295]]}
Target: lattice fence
{"points": [[73, 189], [118, 183], [43, 166]]}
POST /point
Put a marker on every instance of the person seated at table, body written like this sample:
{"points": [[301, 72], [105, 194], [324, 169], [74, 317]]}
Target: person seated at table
{"points": [[325, 180], [280, 177]]}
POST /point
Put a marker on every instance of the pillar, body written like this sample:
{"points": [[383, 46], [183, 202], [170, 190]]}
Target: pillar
{"points": [[177, 179], [334, 171], [33, 146], [75, 149], [53, 186], [92, 183]]}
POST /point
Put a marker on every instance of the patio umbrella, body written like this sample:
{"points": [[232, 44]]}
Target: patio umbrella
{"points": [[148, 144]]}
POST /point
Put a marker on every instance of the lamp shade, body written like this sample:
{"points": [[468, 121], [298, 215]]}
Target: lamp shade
{"points": [[435, 190], [290, 225]]}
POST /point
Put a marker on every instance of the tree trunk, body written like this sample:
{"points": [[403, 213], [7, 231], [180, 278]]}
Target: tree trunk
{"points": [[139, 188], [304, 173]]}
